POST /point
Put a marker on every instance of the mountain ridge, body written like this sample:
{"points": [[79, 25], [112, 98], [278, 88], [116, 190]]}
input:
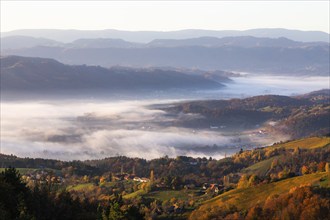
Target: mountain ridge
{"points": [[41, 74], [18, 41], [146, 36], [313, 60]]}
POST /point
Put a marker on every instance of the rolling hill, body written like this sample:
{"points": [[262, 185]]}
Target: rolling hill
{"points": [[298, 116], [24, 74], [304, 60], [265, 55], [283, 189], [246, 198], [298, 184], [263, 167]]}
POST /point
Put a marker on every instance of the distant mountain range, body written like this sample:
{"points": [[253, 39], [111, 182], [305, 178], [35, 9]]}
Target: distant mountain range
{"points": [[147, 36], [260, 54], [239, 41], [307, 60], [25, 74], [18, 42]]}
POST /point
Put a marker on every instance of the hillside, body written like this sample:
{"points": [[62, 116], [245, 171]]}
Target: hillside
{"points": [[305, 143], [294, 174], [298, 117], [265, 167], [24, 74], [255, 191], [244, 199]]}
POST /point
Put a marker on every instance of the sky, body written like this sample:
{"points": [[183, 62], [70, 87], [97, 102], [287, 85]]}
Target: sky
{"points": [[164, 15]]}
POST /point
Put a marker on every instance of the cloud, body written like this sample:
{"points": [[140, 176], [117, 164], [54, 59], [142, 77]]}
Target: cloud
{"points": [[151, 144], [81, 129], [95, 130]]}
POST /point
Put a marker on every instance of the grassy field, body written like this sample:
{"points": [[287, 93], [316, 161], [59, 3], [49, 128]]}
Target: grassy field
{"points": [[247, 197], [108, 184], [169, 194], [81, 187], [89, 186], [140, 192], [260, 168], [165, 194], [306, 143]]}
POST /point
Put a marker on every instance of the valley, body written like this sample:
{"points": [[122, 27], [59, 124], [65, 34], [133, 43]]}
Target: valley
{"points": [[88, 123], [164, 110]]}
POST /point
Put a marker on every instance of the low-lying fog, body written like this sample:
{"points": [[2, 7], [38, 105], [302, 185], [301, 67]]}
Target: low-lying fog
{"points": [[87, 129]]}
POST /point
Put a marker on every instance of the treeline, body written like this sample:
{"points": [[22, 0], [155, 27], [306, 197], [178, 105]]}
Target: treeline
{"points": [[190, 170], [17, 201], [78, 167], [196, 171]]}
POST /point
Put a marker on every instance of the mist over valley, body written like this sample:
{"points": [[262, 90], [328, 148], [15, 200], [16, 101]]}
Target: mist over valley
{"points": [[67, 126], [164, 110], [203, 94]]}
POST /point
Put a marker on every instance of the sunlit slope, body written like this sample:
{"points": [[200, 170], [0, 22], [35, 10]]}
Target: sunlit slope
{"points": [[245, 198], [262, 167], [306, 143], [248, 197]]}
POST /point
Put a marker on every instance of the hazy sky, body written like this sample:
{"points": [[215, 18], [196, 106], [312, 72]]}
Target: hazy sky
{"points": [[165, 15]]}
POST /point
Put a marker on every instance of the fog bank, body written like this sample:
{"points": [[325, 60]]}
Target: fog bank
{"points": [[89, 129]]}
